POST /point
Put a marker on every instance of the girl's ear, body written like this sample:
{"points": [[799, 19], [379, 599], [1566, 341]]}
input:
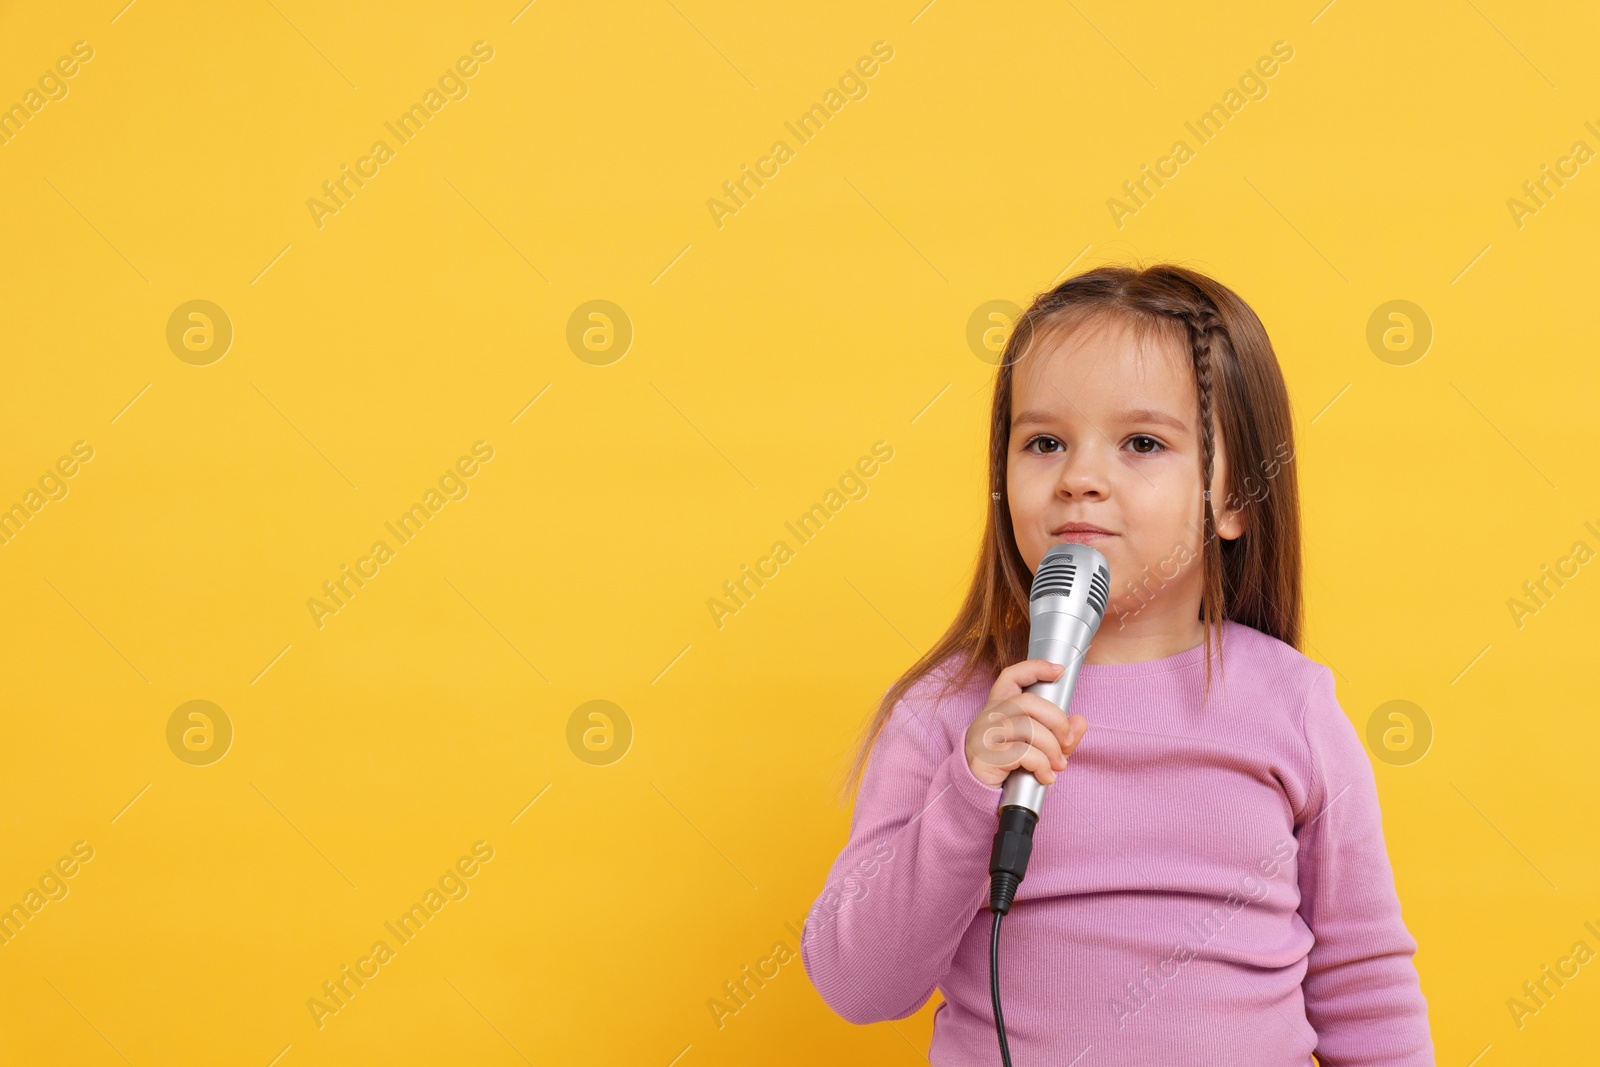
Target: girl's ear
{"points": [[1230, 518]]}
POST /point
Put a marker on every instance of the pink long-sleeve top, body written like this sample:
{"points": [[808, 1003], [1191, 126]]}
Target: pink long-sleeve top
{"points": [[1206, 887]]}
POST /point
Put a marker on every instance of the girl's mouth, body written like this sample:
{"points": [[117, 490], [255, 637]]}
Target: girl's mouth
{"points": [[1083, 537], [1080, 532]]}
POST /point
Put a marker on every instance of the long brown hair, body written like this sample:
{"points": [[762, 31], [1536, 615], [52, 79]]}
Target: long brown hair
{"points": [[1253, 579]]}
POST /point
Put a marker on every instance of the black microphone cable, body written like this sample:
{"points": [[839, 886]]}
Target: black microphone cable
{"points": [[994, 989], [1008, 862]]}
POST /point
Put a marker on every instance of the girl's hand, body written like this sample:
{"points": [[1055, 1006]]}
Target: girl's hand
{"points": [[1017, 729]]}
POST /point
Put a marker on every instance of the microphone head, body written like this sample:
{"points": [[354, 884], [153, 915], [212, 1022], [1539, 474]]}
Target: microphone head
{"points": [[1072, 579]]}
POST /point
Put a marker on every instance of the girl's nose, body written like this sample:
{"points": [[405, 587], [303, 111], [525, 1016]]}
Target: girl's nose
{"points": [[1083, 474]]}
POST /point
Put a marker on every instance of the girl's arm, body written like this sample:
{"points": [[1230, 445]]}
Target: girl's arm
{"points": [[1362, 993], [912, 876]]}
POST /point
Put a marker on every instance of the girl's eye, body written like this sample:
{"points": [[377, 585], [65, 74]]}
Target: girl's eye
{"points": [[1155, 445], [1036, 439]]}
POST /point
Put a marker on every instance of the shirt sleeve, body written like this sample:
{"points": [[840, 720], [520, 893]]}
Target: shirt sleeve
{"points": [[912, 876], [1362, 993]]}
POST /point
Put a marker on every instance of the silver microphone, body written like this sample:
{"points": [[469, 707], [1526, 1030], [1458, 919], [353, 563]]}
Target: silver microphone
{"points": [[1065, 608]]}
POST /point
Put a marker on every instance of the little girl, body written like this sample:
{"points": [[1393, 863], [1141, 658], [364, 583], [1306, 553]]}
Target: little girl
{"points": [[1209, 884]]}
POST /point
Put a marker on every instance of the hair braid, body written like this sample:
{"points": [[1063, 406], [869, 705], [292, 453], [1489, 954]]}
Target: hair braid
{"points": [[1206, 332], [1205, 325]]}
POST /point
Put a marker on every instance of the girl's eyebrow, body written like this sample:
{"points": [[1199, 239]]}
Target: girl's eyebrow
{"points": [[1147, 415], [1160, 418], [1043, 418]]}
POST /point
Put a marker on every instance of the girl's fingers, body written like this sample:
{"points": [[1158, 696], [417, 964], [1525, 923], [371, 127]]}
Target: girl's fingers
{"points": [[1005, 739], [1049, 716], [1078, 726], [1036, 762], [1026, 729], [1017, 677], [999, 757], [1002, 759]]}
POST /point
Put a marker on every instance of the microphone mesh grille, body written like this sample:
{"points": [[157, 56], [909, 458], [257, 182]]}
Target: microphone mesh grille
{"points": [[1057, 575], [1099, 589], [1054, 578]]}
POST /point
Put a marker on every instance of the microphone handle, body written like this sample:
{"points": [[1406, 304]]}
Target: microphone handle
{"points": [[1022, 789]]}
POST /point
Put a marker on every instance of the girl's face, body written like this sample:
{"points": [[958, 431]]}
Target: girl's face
{"points": [[1104, 433]]}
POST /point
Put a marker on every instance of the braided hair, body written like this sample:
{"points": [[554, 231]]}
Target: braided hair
{"points": [[1207, 335]]}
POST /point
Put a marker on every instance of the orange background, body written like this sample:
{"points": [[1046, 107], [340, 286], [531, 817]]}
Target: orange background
{"points": [[647, 449]]}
